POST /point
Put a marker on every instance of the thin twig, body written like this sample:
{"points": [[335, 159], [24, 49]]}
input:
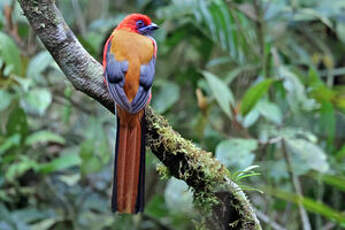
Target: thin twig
{"points": [[297, 186], [184, 160], [266, 219], [79, 16]]}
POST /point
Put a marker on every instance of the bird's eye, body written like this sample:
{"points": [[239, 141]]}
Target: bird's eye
{"points": [[140, 24]]}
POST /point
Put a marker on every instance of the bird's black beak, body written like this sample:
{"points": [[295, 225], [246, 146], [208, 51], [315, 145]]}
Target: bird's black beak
{"points": [[147, 30]]}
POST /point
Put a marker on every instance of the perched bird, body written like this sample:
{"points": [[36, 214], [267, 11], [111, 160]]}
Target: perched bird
{"points": [[129, 59]]}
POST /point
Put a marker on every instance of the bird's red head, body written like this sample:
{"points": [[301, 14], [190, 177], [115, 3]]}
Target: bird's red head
{"points": [[138, 23]]}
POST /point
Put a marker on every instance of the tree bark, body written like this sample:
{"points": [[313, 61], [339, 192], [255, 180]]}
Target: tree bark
{"points": [[182, 159]]}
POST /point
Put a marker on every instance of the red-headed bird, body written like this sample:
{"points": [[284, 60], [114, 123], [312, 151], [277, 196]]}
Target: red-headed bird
{"points": [[129, 60]]}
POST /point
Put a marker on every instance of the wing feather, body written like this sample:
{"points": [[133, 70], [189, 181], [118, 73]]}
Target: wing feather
{"points": [[115, 72]]}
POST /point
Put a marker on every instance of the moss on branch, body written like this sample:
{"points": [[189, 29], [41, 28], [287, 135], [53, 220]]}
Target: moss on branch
{"points": [[203, 173]]}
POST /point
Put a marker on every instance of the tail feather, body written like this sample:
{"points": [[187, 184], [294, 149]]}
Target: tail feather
{"points": [[129, 167], [141, 191]]}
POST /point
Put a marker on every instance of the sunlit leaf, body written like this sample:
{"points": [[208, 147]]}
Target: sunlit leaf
{"points": [[254, 94], [65, 161], [309, 14], [25, 83], [236, 152], [312, 155], [70, 180], [270, 131], [10, 54], [44, 136], [37, 101], [218, 22], [297, 97], [270, 111], [38, 64], [9, 143], [251, 118], [19, 168], [221, 92], [45, 224], [5, 99]]}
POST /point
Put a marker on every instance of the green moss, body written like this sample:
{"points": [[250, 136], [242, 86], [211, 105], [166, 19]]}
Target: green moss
{"points": [[198, 168], [200, 163], [200, 224], [163, 171]]}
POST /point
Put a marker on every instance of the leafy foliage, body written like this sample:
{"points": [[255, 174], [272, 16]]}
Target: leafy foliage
{"points": [[269, 77]]}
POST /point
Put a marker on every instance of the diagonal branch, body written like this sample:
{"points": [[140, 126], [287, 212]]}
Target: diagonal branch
{"points": [[182, 159]]}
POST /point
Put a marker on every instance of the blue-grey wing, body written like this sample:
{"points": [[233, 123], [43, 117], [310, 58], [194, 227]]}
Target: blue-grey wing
{"points": [[114, 73], [147, 73]]}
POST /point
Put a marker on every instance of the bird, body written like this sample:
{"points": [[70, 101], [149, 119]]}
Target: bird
{"points": [[129, 58]]}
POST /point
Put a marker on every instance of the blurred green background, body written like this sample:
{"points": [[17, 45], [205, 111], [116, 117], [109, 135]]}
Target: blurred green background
{"points": [[257, 82]]}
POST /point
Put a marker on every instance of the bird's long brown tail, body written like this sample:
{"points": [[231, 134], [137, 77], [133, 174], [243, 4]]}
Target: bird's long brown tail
{"points": [[129, 168]]}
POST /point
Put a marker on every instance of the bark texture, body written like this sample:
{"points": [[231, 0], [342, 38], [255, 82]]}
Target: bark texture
{"points": [[230, 209]]}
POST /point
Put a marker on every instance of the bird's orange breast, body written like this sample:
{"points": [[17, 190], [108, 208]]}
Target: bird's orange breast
{"points": [[137, 50]]}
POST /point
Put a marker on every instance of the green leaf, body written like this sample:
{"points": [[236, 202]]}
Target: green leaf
{"points": [[236, 152], [270, 111], [10, 54], [311, 155], [44, 224], [268, 131], [38, 64], [340, 29], [297, 97], [30, 214], [341, 153], [156, 207], [175, 10], [166, 97], [19, 168], [9, 143], [254, 94], [37, 101], [216, 21], [44, 136], [17, 123], [309, 14], [221, 92], [247, 172], [91, 162], [328, 122], [178, 197], [251, 118], [65, 161], [94, 152], [336, 181], [70, 180], [5, 99], [308, 203]]}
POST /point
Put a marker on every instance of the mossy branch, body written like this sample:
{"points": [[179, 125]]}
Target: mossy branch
{"points": [[206, 176]]}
